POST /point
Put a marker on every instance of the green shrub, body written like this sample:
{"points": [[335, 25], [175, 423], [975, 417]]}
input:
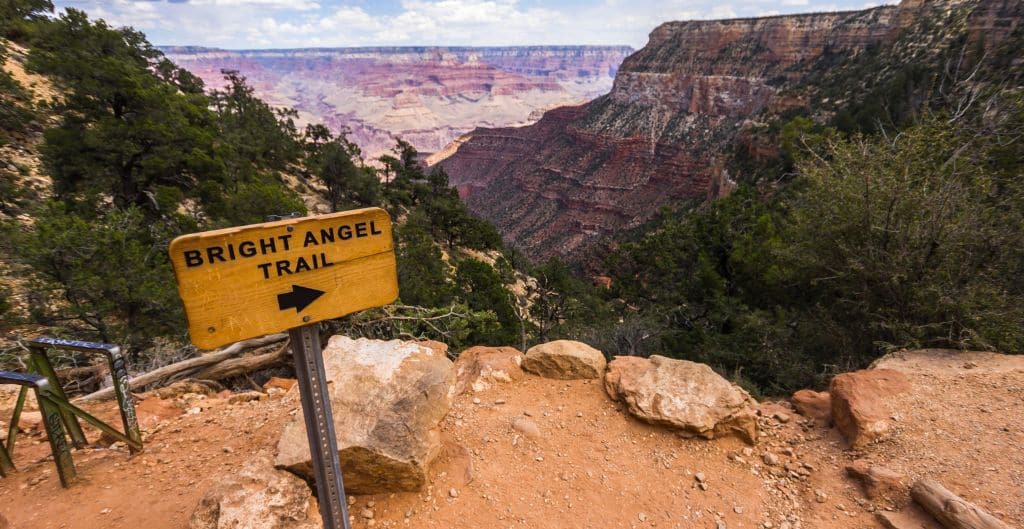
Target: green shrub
{"points": [[108, 278], [878, 243], [480, 286], [253, 202]]}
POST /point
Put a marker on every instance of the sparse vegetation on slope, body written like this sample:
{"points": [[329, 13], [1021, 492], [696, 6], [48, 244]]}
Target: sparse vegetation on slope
{"points": [[879, 243], [141, 152], [887, 216]]}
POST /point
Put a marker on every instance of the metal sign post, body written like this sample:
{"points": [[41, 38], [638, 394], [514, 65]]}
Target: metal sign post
{"points": [[289, 274], [316, 409]]}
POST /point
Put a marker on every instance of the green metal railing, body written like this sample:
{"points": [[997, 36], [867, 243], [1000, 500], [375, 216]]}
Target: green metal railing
{"points": [[52, 421], [58, 412]]}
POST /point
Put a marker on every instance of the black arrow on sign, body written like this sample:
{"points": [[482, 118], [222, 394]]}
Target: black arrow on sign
{"points": [[299, 298]]}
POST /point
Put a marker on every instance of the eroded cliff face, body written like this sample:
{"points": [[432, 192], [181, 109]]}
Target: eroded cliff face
{"points": [[427, 96], [586, 173]]}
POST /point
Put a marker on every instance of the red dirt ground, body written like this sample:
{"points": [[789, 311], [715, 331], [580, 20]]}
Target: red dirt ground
{"points": [[591, 466]]}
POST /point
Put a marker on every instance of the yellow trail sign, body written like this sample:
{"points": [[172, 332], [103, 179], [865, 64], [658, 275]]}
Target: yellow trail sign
{"points": [[238, 283]]}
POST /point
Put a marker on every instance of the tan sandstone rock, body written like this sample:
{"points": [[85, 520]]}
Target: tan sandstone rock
{"points": [[526, 427], [257, 497], [479, 368], [565, 360], [816, 405], [859, 408], [387, 399], [682, 394]]}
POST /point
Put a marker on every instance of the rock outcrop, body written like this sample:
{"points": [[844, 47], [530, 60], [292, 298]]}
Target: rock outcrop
{"points": [[860, 409], [878, 482], [387, 399], [565, 360], [427, 96], [681, 394], [816, 405], [479, 368], [678, 109], [257, 497]]}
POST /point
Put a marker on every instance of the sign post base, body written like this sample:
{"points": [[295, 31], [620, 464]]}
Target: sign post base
{"points": [[316, 409]]}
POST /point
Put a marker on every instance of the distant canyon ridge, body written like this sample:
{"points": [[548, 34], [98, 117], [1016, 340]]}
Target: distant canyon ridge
{"points": [[428, 96], [699, 95]]}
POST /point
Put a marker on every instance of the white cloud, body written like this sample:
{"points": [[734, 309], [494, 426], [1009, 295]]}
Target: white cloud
{"points": [[722, 11], [282, 5], [305, 23]]}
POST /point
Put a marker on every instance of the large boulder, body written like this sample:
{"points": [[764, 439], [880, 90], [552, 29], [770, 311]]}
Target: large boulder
{"points": [[257, 497], [388, 399], [681, 394], [860, 409], [478, 368], [564, 360]]}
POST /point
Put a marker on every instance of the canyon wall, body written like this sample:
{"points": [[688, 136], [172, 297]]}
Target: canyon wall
{"points": [[427, 96], [584, 174]]}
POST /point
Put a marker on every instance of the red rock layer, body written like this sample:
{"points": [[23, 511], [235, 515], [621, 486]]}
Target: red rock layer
{"points": [[427, 96], [585, 173]]}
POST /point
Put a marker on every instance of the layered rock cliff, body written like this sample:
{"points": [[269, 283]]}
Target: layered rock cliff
{"points": [[583, 174], [427, 96]]}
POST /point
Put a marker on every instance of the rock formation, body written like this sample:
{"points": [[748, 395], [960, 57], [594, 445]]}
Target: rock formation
{"points": [[860, 408], [427, 96], [677, 110], [387, 399], [478, 368], [257, 497], [816, 405], [878, 482], [564, 360], [682, 394]]}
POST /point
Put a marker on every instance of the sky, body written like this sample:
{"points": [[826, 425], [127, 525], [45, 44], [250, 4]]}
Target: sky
{"points": [[249, 24]]}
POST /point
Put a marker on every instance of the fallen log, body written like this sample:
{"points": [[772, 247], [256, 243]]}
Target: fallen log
{"points": [[246, 364], [951, 510], [82, 379], [168, 371]]}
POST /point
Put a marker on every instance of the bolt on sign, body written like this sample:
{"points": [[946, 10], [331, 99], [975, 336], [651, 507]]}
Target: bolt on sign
{"points": [[238, 283]]}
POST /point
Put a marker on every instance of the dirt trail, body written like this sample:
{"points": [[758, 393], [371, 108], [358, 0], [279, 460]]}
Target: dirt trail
{"points": [[592, 465]]}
